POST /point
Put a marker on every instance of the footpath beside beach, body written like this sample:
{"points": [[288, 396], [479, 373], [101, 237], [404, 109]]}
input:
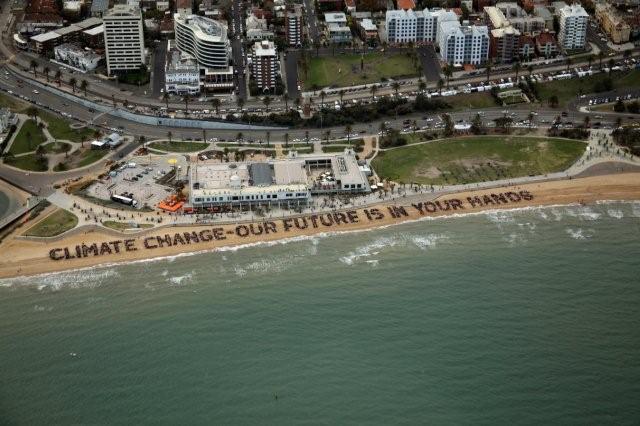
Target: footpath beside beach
{"points": [[84, 248]]}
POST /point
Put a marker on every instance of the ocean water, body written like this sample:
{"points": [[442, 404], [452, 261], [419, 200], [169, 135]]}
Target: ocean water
{"points": [[518, 317]]}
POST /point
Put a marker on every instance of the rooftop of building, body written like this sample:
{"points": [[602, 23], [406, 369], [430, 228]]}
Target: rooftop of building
{"points": [[574, 10], [41, 38], [264, 48], [406, 4], [204, 28], [335, 17], [178, 61], [95, 30], [368, 25], [122, 10], [99, 5]]}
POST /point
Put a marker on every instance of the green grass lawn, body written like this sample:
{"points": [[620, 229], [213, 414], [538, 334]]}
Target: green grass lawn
{"points": [[60, 129], [90, 156], [121, 226], [57, 147], [344, 70], [28, 162], [13, 104], [471, 101], [28, 138], [477, 159], [55, 224], [567, 90], [177, 146]]}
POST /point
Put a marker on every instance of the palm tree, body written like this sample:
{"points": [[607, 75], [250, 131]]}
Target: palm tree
{"points": [[72, 83], [530, 70], [516, 68], [165, 98], [239, 138], [46, 72], [297, 101], [83, 87], [422, 86], [568, 61], [373, 90], [440, 85], [347, 130], [322, 96], [383, 129], [600, 58], [142, 140], [285, 98], [215, 104], [113, 100], [341, 94], [611, 65], [240, 103], [266, 101], [327, 135], [448, 72], [58, 77], [590, 59], [268, 137], [396, 88], [34, 67], [488, 69], [286, 140], [169, 135], [187, 98], [306, 136]]}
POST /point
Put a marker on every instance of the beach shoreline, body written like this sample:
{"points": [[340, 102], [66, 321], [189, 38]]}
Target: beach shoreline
{"points": [[81, 250]]}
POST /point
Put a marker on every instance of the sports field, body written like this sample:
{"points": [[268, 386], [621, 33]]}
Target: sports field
{"points": [[351, 70]]}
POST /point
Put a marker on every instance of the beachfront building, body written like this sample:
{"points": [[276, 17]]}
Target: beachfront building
{"points": [[468, 44], [573, 27], [293, 25], [264, 64], [404, 26], [124, 39], [291, 181], [182, 75], [337, 30], [76, 57], [206, 41], [613, 23]]}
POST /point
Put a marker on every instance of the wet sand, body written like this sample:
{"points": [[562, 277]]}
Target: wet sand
{"points": [[81, 249]]}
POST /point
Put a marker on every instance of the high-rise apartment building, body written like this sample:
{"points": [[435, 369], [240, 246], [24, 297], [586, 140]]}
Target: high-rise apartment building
{"points": [[573, 27], [404, 26], [293, 26], [264, 64], [468, 44], [123, 38]]}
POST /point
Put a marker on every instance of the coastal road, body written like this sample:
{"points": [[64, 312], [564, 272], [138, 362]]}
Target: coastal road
{"points": [[313, 32], [430, 63], [237, 49]]}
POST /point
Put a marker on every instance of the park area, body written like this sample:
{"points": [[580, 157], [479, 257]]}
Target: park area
{"points": [[55, 224], [353, 70], [477, 159]]}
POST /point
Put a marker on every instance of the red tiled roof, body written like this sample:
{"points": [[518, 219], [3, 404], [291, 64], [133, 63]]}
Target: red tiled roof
{"points": [[350, 3], [544, 38], [406, 4]]}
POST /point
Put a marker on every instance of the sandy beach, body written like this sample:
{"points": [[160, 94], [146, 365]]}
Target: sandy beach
{"points": [[81, 248]]}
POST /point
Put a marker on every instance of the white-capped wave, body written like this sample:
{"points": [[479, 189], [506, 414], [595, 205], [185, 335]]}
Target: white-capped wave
{"points": [[617, 214], [180, 280], [579, 233]]}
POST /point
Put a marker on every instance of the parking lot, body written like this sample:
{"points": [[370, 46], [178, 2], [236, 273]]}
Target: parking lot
{"points": [[147, 180]]}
